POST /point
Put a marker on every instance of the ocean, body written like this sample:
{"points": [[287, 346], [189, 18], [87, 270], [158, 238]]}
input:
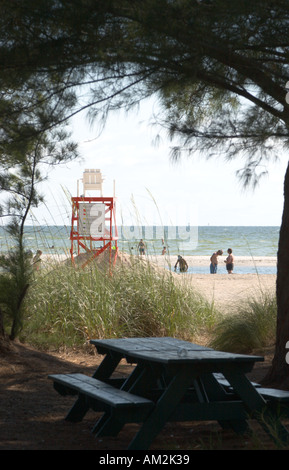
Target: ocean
{"points": [[251, 241]]}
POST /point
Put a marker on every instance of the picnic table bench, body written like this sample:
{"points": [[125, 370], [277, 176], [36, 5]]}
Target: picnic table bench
{"points": [[172, 380], [100, 396]]}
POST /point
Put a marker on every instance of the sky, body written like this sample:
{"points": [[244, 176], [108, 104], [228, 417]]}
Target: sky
{"points": [[152, 190]]}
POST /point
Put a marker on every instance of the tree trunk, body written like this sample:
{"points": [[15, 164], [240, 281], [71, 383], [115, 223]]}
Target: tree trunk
{"points": [[278, 374], [5, 343], [2, 333], [17, 315]]}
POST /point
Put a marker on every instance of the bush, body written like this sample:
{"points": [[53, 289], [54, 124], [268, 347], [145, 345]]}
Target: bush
{"points": [[253, 326]]}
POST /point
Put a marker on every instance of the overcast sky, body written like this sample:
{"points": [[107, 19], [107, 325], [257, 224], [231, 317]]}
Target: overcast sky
{"points": [[151, 189]]}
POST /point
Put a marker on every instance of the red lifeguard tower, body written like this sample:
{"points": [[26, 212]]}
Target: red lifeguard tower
{"points": [[93, 224]]}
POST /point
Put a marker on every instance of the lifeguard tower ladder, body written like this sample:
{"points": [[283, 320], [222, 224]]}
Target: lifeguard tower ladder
{"points": [[93, 219]]}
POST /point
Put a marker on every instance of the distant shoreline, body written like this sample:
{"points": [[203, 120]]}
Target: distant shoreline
{"points": [[166, 260], [205, 260]]}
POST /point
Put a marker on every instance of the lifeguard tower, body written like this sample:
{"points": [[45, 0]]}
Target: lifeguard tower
{"points": [[93, 224]]}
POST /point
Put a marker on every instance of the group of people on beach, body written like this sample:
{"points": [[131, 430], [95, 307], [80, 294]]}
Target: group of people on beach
{"points": [[214, 262], [142, 247], [183, 265], [229, 261]]}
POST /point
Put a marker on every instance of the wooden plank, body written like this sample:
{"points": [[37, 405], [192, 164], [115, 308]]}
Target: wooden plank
{"points": [[130, 345], [153, 343], [224, 382], [183, 356], [99, 390], [169, 351], [274, 394], [163, 343]]}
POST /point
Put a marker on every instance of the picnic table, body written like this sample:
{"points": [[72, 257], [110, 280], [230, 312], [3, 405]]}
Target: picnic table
{"points": [[172, 380]]}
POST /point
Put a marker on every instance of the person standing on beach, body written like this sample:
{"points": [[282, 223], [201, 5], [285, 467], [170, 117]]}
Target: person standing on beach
{"points": [[183, 264], [214, 261], [230, 261], [37, 260], [141, 247]]}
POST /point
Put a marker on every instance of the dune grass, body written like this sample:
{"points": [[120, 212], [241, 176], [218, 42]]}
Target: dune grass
{"points": [[251, 327], [69, 306]]}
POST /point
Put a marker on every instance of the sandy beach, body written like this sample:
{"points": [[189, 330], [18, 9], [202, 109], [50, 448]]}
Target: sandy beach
{"points": [[227, 291], [224, 290]]}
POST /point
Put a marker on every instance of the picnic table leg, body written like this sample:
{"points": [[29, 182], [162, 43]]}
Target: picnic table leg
{"points": [[162, 410], [140, 380], [104, 371], [258, 407], [133, 378], [78, 411], [107, 425], [107, 366], [214, 391]]}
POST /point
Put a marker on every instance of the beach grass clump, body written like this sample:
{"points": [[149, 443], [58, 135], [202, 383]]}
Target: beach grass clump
{"points": [[153, 303], [251, 327], [63, 304], [69, 306]]}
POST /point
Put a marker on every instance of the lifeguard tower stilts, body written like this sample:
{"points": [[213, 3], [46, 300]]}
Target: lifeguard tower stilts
{"points": [[93, 224]]}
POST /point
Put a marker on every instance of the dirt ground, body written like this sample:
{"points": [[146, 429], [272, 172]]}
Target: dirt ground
{"points": [[32, 412]]}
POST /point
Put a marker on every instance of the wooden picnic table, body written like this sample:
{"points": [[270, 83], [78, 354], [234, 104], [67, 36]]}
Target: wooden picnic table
{"points": [[172, 380]]}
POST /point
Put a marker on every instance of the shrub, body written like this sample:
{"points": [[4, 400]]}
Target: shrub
{"points": [[253, 326]]}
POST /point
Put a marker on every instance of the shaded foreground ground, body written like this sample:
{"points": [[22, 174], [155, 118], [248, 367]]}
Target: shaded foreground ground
{"points": [[32, 413]]}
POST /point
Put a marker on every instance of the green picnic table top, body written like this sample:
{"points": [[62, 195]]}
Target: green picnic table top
{"points": [[168, 350]]}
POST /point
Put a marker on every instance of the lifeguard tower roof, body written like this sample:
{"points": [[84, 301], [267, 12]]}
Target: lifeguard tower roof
{"points": [[92, 180]]}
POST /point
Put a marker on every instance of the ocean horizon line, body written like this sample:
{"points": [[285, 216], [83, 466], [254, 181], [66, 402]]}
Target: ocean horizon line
{"points": [[152, 225]]}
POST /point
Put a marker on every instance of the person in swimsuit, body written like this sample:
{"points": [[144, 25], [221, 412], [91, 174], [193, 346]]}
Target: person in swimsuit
{"points": [[141, 247], [229, 261], [183, 264], [214, 261]]}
